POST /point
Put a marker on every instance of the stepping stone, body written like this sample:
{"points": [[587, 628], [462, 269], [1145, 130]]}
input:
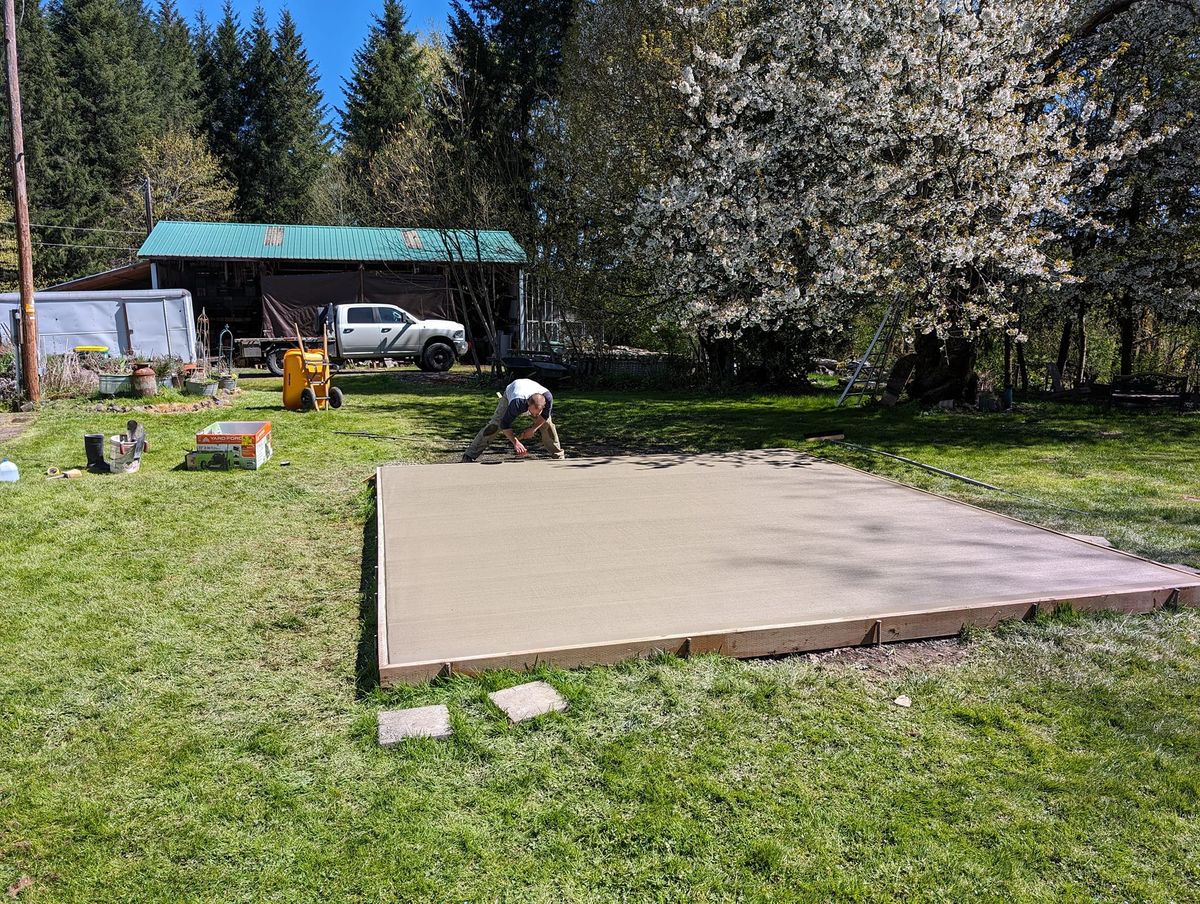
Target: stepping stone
{"points": [[528, 700], [1099, 541], [419, 722], [1183, 567]]}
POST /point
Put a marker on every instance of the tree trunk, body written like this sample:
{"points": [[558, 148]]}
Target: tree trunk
{"points": [[1022, 367], [1082, 359], [1008, 372], [718, 356], [1125, 324], [945, 370], [1064, 346]]}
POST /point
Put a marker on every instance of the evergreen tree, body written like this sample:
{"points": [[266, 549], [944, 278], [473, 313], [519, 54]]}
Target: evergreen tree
{"points": [[222, 58], [504, 60], [286, 138], [107, 110], [52, 167], [141, 28], [108, 85], [259, 80], [387, 85], [176, 71]]}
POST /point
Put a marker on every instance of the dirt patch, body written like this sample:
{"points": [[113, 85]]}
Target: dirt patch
{"points": [[13, 425], [894, 658]]}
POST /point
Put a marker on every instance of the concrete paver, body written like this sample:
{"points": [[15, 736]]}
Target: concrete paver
{"points": [[399, 725], [525, 701]]}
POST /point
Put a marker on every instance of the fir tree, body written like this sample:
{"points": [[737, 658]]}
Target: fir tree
{"points": [[259, 81], [108, 86], [504, 58], [52, 165], [300, 132], [286, 138], [222, 59], [107, 110], [387, 85], [175, 70]]}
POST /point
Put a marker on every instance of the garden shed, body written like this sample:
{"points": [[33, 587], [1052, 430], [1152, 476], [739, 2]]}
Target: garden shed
{"points": [[258, 278]]}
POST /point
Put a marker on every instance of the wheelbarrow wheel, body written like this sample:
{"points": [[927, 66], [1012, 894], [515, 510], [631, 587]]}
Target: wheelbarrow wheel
{"points": [[308, 399], [336, 398]]}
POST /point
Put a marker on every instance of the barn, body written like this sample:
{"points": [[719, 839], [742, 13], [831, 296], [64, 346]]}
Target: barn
{"points": [[264, 279]]}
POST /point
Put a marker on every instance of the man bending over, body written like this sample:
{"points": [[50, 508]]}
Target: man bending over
{"points": [[519, 397]]}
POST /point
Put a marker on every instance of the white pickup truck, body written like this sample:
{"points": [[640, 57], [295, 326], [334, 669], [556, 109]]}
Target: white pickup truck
{"points": [[368, 332]]}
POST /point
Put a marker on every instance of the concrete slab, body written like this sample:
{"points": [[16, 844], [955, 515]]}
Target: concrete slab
{"points": [[419, 722], [750, 554], [1092, 538], [526, 701]]}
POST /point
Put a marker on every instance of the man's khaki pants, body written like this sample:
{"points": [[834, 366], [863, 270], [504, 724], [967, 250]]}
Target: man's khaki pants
{"points": [[547, 432]]}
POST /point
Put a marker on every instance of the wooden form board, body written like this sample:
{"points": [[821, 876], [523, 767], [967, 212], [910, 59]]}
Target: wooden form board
{"points": [[746, 554]]}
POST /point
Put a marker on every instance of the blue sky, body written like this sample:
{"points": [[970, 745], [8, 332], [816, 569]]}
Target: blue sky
{"points": [[332, 29]]}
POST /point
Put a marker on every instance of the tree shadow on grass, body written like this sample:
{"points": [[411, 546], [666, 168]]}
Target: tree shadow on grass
{"points": [[366, 666]]}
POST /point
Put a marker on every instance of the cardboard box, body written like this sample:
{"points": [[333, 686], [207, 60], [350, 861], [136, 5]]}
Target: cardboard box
{"points": [[244, 445]]}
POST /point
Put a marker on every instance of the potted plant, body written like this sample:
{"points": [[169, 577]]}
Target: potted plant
{"points": [[200, 386], [115, 373], [166, 368]]}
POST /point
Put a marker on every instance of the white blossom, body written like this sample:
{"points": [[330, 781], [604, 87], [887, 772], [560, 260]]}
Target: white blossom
{"points": [[853, 150]]}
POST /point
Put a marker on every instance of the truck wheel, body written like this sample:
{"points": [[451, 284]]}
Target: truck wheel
{"points": [[336, 398], [308, 399], [275, 361], [438, 357]]}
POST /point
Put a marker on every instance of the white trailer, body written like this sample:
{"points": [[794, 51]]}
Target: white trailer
{"points": [[144, 323]]}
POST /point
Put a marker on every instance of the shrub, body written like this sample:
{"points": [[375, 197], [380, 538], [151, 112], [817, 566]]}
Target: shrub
{"points": [[65, 377], [8, 377]]}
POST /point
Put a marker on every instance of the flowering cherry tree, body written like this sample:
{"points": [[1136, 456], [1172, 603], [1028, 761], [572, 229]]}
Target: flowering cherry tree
{"points": [[845, 151]]}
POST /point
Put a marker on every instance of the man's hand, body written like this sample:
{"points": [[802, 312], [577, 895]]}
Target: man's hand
{"points": [[519, 448]]}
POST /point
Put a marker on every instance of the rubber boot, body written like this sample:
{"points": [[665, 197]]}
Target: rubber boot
{"points": [[93, 447]]}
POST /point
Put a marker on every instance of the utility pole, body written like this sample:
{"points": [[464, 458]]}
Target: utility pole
{"points": [[29, 346]]}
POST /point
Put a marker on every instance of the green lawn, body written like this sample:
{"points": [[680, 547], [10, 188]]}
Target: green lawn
{"points": [[186, 710]]}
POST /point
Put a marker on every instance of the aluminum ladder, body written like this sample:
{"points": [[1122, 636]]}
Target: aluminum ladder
{"points": [[868, 379]]}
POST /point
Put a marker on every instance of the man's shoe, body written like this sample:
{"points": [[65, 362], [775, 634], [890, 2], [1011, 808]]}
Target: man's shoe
{"points": [[467, 458]]}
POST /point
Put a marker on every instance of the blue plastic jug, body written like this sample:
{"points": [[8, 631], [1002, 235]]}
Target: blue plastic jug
{"points": [[8, 472]]}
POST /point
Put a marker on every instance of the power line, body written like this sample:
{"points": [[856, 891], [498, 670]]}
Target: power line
{"points": [[81, 228], [82, 247]]}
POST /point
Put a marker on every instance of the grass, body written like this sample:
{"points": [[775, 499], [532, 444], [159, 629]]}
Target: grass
{"points": [[186, 710]]}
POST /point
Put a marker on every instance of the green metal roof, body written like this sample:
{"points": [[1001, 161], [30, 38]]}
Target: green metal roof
{"points": [[263, 241]]}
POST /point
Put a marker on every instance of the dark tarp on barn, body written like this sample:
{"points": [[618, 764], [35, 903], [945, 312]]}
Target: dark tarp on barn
{"points": [[294, 302]]}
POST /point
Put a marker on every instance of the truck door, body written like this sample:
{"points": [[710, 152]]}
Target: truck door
{"points": [[405, 338], [359, 332]]}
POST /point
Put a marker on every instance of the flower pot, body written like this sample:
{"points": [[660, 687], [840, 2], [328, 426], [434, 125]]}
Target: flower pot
{"points": [[145, 383], [115, 384], [228, 384], [197, 387]]}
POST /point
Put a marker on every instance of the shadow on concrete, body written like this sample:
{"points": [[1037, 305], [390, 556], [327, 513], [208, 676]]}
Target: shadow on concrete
{"points": [[366, 665], [654, 461]]}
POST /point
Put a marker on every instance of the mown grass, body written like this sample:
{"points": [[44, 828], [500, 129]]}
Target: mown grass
{"points": [[186, 711]]}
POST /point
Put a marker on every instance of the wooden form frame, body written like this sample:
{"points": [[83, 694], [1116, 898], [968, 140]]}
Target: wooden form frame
{"points": [[795, 637]]}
